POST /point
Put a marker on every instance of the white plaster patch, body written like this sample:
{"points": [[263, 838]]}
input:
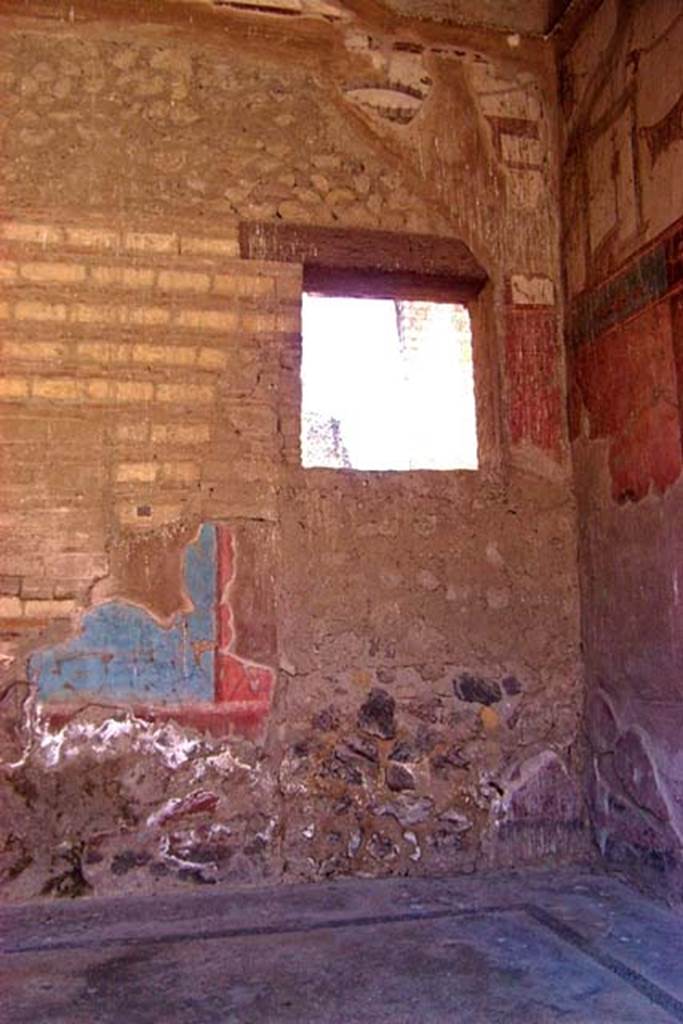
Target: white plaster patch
{"points": [[532, 290], [353, 845], [219, 830], [105, 738], [266, 834], [526, 189], [410, 837], [226, 762], [174, 747], [69, 741], [51, 745]]}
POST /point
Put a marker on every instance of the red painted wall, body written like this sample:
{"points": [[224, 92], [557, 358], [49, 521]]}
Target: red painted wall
{"points": [[626, 423], [622, 86]]}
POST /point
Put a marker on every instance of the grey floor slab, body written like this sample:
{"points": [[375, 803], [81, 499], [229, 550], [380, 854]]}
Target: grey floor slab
{"points": [[537, 948]]}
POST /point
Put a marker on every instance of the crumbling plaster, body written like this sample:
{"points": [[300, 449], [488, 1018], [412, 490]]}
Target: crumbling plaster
{"points": [[621, 92], [423, 630]]}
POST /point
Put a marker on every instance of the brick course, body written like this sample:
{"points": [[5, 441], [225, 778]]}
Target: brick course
{"points": [[154, 326]]}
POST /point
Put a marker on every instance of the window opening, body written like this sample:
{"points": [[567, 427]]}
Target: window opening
{"points": [[387, 384]]}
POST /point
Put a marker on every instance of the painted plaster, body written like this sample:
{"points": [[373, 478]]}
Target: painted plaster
{"points": [[123, 655]]}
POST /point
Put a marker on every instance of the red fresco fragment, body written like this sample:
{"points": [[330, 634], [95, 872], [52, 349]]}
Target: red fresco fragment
{"points": [[574, 405], [677, 336], [628, 386], [224, 577], [243, 689], [244, 686], [647, 453], [217, 720], [535, 412]]}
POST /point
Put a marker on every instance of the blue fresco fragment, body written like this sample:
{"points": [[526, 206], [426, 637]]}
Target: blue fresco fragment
{"points": [[123, 654]]}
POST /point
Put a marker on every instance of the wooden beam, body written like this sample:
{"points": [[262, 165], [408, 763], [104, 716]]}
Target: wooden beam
{"points": [[383, 264], [376, 284]]}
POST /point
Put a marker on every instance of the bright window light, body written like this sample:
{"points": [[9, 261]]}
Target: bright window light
{"points": [[387, 384]]}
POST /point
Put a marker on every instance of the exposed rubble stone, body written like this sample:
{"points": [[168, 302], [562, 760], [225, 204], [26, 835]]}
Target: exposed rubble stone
{"points": [[363, 746], [406, 751], [123, 862], [512, 686], [376, 715], [474, 689], [408, 810], [327, 720], [152, 384], [381, 847], [453, 757], [456, 820], [399, 778]]}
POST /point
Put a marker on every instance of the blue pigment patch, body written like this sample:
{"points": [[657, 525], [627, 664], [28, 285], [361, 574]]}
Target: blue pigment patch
{"points": [[123, 654]]}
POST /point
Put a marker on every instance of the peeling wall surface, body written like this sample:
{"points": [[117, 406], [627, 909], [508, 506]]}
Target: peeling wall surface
{"points": [[219, 666], [121, 654], [622, 91]]}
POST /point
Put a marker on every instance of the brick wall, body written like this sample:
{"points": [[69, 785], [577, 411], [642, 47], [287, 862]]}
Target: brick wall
{"points": [[142, 377], [411, 640]]}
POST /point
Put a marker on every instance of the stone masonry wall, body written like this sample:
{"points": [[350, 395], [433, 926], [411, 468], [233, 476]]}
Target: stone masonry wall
{"points": [[622, 90], [218, 665]]}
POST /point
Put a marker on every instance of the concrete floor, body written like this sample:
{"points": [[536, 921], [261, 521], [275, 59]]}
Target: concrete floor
{"points": [[536, 948]]}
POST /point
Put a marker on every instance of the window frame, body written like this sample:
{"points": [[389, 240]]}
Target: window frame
{"points": [[363, 263]]}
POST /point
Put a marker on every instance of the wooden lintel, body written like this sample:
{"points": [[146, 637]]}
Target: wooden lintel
{"points": [[339, 261], [377, 284]]}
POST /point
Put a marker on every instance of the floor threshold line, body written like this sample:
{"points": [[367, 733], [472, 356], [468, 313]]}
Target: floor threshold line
{"points": [[654, 993], [263, 930], [570, 936]]}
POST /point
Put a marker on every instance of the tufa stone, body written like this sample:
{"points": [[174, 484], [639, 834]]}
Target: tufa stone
{"points": [[364, 747], [512, 686], [404, 751], [455, 820], [399, 778], [376, 715], [476, 690], [124, 862], [326, 720], [451, 758], [408, 810], [381, 847]]}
